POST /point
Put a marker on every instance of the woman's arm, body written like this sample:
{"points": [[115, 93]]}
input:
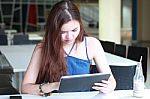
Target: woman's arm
{"points": [[29, 85], [102, 66], [30, 88]]}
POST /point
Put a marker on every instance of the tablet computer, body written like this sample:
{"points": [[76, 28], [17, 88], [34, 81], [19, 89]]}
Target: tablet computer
{"points": [[80, 83]]}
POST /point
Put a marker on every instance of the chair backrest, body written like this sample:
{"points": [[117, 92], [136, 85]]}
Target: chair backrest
{"points": [[120, 50], [6, 73], [3, 40], [108, 46], [124, 76], [2, 32], [20, 39], [34, 41], [93, 69], [134, 53]]}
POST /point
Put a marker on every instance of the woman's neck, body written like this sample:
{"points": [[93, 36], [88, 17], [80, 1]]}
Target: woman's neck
{"points": [[69, 47]]}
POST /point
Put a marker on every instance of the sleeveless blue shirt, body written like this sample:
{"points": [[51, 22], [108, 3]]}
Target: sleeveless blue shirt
{"points": [[76, 66]]}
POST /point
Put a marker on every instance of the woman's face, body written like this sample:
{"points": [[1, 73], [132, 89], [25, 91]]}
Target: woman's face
{"points": [[70, 31]]}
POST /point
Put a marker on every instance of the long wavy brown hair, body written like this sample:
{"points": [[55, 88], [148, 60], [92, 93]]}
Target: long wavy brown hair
{"points": [[53, 63]]}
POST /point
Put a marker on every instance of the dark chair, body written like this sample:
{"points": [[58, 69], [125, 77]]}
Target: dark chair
{"points": [[2, 32], [134, 53], [108, 46], [124, 76], [93, 69], [6, 73], [3, 40], [21, 39], [102, 42], [35, 41], [120, 50]]}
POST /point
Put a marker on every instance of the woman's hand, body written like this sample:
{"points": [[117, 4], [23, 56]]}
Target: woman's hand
{"points": [[49, 87], [104, 86]]}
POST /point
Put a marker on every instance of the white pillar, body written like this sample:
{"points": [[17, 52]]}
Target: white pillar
{"points": [[110, 20]]}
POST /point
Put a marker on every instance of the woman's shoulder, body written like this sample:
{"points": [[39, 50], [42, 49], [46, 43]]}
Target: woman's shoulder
{"points": [[93, 46], [39, 46], [92, 40]]}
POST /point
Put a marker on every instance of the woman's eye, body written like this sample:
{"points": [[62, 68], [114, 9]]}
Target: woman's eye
{"points": [[74, 30]]}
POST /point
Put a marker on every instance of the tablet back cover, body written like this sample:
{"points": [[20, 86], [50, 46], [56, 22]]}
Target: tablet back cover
{"points": [[80, 83]]}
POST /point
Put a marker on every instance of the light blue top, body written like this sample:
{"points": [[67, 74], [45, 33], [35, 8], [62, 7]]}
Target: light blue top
{"points": [[76, 66]]}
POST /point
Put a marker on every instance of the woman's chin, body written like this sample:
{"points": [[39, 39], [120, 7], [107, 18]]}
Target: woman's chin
{"points": [[69, 42]]}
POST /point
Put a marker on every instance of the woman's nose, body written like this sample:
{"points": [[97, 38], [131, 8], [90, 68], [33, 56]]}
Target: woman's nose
{"points": [[68, 35]]}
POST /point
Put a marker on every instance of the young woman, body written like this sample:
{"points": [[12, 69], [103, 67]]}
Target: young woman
{"points": [[65, 50]]}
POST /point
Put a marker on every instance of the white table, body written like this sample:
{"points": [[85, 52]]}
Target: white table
{"points": [[115, 60], [35, 37], [19, 58], [119, 94]]}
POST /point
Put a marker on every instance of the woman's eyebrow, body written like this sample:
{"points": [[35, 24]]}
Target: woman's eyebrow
{"points": [[70, 30], [75, 28]]}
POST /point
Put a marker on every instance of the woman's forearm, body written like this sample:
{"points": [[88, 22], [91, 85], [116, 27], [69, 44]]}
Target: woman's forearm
{"points": [[34, 88], [30, 89]]}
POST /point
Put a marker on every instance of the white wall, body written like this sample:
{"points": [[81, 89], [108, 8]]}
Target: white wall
{"points": [[109, 20]]}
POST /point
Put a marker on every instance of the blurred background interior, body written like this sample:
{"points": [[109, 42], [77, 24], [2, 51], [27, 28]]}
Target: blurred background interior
{"points": [[124, 22]]}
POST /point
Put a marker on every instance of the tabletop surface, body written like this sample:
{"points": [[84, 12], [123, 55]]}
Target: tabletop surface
{"points": [[119, 61], [19, 57], [35, 37], [118, 94]]}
